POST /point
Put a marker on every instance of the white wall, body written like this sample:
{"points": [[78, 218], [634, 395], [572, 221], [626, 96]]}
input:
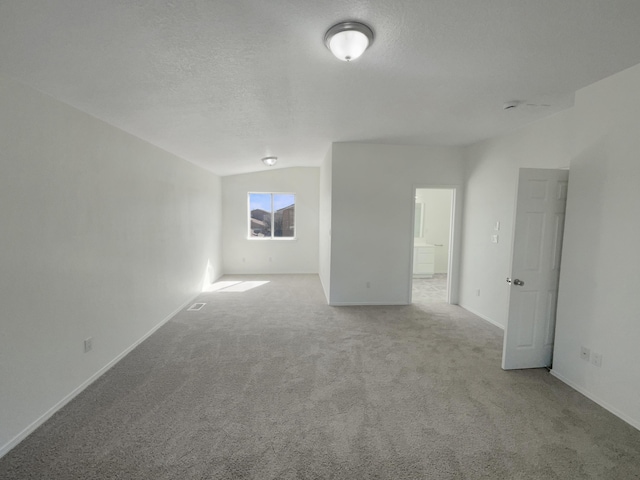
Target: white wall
{"points": [[244, 255], [101, 235], [372, 217], [325, 223], [436, 217], [599, 300], [490, 195]]}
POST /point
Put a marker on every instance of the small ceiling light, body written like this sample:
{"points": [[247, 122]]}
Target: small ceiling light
{"points": [[348, 40], [269, 161]]}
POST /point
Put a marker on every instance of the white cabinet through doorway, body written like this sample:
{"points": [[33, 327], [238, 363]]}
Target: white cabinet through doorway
{"points": [[423, 261]]}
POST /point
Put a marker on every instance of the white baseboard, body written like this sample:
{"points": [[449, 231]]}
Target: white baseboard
{"points": [[268, 273], [487, 319], [44, 417], [365, 304], [631, 421]]}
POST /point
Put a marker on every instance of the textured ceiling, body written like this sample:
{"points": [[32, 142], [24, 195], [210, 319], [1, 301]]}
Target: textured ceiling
{"points": [[224, 83]]}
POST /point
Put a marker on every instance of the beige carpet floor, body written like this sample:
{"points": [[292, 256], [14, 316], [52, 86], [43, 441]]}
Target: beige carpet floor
{"points": [[430, 290], [271, 383]]}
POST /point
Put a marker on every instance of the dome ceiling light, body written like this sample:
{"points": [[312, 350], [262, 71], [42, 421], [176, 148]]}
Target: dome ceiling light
{"points": [[269, 161], [348, 40]]}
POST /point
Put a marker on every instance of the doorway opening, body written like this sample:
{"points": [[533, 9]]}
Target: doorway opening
{"points": [[432, 245]]}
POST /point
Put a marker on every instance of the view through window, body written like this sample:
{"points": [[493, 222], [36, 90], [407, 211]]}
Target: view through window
{"points": [[272, 215]]}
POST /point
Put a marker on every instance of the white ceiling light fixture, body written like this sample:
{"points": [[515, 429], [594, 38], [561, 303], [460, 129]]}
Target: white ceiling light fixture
{"points": [[348, 40], [270, 161]]}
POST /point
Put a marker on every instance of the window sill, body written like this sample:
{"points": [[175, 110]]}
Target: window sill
{"points": [[269, 239]]}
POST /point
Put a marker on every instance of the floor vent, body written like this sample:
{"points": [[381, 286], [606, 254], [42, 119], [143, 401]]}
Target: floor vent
{"points": [[195, 307]]}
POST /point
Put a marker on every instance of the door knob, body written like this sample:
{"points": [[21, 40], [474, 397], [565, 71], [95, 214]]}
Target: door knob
{"points": [[517, 282]]}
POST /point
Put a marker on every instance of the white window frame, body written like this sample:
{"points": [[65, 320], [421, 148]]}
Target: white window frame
{"points": [[272, 237]]}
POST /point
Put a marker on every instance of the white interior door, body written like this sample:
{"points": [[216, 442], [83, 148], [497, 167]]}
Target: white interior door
{"points": [[535, 268]]}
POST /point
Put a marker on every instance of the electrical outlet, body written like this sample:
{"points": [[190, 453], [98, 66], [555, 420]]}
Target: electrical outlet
{"points": [[585, 353], [494, 238], [88, 344], [596, 359]]}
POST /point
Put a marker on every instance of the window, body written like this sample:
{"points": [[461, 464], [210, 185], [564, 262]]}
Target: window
{"points": [[272, 215]]}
